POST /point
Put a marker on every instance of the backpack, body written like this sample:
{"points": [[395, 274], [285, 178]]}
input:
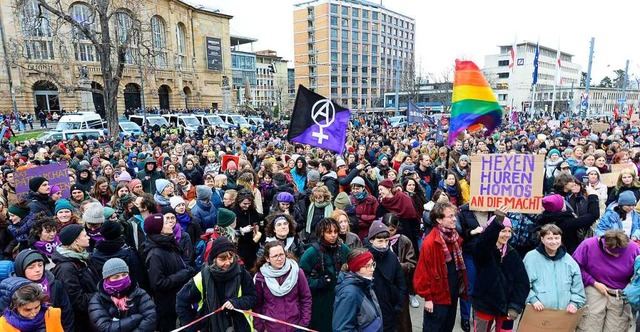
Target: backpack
{"points": [[203, 248], [632, 291], [524, 233]]}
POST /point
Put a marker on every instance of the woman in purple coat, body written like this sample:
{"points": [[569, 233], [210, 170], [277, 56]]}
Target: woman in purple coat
{"points": [[282, 289]]}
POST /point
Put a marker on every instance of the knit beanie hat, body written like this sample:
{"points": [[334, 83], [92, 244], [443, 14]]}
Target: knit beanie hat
{"points": [[225, 217], [377, 227], [203, 193], [358, 181], [285, 197], [63, 204], [69, 233], [232, 165], [36, 182], [153, 223], [176, 200], [10, 285], [18, 211], [25, 258], [124, 176], [111, 230], [552, 151], [93, 213], [220, 245], [55, 189], [160, 185], [553, 203], [108, 212], [342, 201], [593, 169], [114, 266], [387, 183], [313, 176], [627, 198], [134, 183], [382, 156], [77, 187]]}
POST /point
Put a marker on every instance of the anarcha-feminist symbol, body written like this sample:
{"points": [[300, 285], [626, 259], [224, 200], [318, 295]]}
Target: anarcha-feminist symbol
{"points": [[323, 108]]}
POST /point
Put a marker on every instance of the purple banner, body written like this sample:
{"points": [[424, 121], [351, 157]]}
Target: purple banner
{"points": [[55, 173]]}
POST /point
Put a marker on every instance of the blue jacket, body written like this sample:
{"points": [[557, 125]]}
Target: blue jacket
{"points": [[207, 213], [356, 307], [555, 281], [611, 220]]}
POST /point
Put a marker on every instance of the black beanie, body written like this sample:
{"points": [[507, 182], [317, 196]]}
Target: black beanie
{"points": [[69, 233], [219, 246], [111, 230], [35, 183]]}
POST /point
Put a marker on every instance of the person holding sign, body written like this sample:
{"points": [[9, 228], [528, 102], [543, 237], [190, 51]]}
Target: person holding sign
{"points": [[555, 278], [627, 181]]}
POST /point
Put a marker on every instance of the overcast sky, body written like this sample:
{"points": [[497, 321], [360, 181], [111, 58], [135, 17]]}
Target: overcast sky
{"points": [[472, 29]]}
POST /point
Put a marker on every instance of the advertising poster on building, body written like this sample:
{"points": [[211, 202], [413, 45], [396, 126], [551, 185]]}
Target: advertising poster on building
{"points": [[55, 173], [214, 53], [514, 180]]}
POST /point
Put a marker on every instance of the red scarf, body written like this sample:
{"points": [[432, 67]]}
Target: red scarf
{"points": [[401, 205], [450, 236]]}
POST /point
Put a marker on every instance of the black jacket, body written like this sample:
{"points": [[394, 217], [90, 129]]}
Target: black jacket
{"points": [[468, 222], [501, 283], [108, 249], [247, 249], [40, 203], [389, 285], [80, 281], [140, 317], [167, 272]]}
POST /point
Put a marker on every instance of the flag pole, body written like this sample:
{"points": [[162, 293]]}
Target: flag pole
{"points": [[533, 100], [555, 80], [513, 64], [536, 59]]}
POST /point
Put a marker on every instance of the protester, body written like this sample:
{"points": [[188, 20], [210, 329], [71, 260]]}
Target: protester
{"points": [[25, 307]]}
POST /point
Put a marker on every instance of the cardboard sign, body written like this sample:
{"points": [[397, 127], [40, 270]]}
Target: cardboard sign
{"points": [[549, 320], [553, 124], [55, 173], [514, 180], [599, 127], [227, 158], [616, 168], [609, 179]]}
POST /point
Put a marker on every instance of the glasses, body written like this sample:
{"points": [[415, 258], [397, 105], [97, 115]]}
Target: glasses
{"points": [[564, 168], [278, 256], [371, 266]]}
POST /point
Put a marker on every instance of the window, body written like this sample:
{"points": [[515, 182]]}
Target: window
{"points": [[345, 58], [334, 79], [365, 25], [181, 45], [345, 46], [374, 16], [365, 37], [345, 23], [345, 34], [503, 63], [37, 32], [355, 12], [365, 13], [355, 36], [334, 20], [334, 9], [374, 49], [334, 57], [345, 10], [159, 41], [374, 38], [345, 80], [356, 24], [334, 33], [354, 59], [503, 75], [365, 59], [125, 35], [355, 48], [334, 44]]}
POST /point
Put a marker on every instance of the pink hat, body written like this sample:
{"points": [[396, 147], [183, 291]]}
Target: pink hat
{"points": [[124, 176], [232, 165], [553, 203], [55, 189]]}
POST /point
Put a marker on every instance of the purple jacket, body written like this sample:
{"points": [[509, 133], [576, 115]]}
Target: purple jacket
{"points": [[596, 265], [295, 307]]}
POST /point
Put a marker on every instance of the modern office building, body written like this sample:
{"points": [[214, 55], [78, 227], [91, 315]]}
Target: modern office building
{"points": [[514, 87], [273, 85], [352, 51], [191, 57]]}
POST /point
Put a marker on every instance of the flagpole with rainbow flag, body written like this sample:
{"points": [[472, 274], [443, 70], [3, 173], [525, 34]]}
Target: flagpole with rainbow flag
{"points": [[473, 104]]}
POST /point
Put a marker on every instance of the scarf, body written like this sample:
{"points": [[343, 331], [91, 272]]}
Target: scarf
{"points": [[287, 242], [220, 275], [228, 282], [328, 209], [83, 256], [360, 196], [114, 287], [47, 247], [462, 172], [95, 235], [166, 241], [44, 284], [393, 240], [450, 236], [184, 220], [401, 205], [451, 191], [270, 277], [161, 200], [177, 232], [25, 324]]}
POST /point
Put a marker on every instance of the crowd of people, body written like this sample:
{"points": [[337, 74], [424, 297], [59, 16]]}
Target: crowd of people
{"points": [[205, 230]]}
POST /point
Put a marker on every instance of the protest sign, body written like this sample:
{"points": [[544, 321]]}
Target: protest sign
{"points": [[610, 179], [616, 168], [599, 127], [553, 124], [55, 173], [549, 320], [514, 180]]}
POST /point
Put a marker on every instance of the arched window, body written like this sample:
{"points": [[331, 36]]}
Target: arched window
{"points": [[83, 48], [159, 41], [36, 31], [181, 46], [125, 35]]}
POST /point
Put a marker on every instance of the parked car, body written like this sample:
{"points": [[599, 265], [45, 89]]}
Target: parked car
{"points": [[255, 122], [189, 122], [235, 119], [82, 134], [212, 120], [398, 121], [151, 120], [130, 128], [80, 120]]}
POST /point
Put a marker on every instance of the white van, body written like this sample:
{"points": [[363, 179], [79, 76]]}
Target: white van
{"points": [[189, 122], [211, 120], [235, 120], [151, 120], [80, 120]]}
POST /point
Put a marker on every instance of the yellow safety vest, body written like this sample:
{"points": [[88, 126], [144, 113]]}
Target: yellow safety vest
{"points": [[197, 280]]}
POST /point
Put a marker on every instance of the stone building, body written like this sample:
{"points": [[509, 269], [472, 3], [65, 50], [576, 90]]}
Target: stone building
{"points": [[190, 62]]}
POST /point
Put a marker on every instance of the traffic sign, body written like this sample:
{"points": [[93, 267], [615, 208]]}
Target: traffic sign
{"points": [[622, 100]]}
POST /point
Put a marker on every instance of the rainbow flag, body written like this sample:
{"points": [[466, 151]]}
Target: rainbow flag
{"points": [[473, 105]]}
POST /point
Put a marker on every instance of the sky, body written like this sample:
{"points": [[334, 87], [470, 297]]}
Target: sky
{"points": [[471, 29]]}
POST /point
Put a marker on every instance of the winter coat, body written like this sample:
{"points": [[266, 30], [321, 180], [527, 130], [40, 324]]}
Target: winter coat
{"points": [[133, 232], [365, 212], [431, 278], [314, 269], [191, 295], [247, 248], [51, 322], [167, 272], [570, 224], [294, 307], [79, 280], [330, 179], [612, 220], [501, 283], [106, 317], [403, 248], [356, 307], [615, 193], [389, 285], [467, 222], [40, 203], [554, 281], [194, 176], [149, 180], [108, 249], [206, 213]]}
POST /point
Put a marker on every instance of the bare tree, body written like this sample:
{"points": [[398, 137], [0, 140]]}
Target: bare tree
{"points": [[115, 33], [442, 87], [281, 96]]}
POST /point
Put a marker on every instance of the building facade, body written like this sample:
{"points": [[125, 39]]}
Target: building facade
{"points": [[190, 63], [272, 88], [513, 86], [352, 51]]}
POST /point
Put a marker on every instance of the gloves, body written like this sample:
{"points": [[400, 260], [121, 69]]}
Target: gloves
{"points": [[246, 229]]}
